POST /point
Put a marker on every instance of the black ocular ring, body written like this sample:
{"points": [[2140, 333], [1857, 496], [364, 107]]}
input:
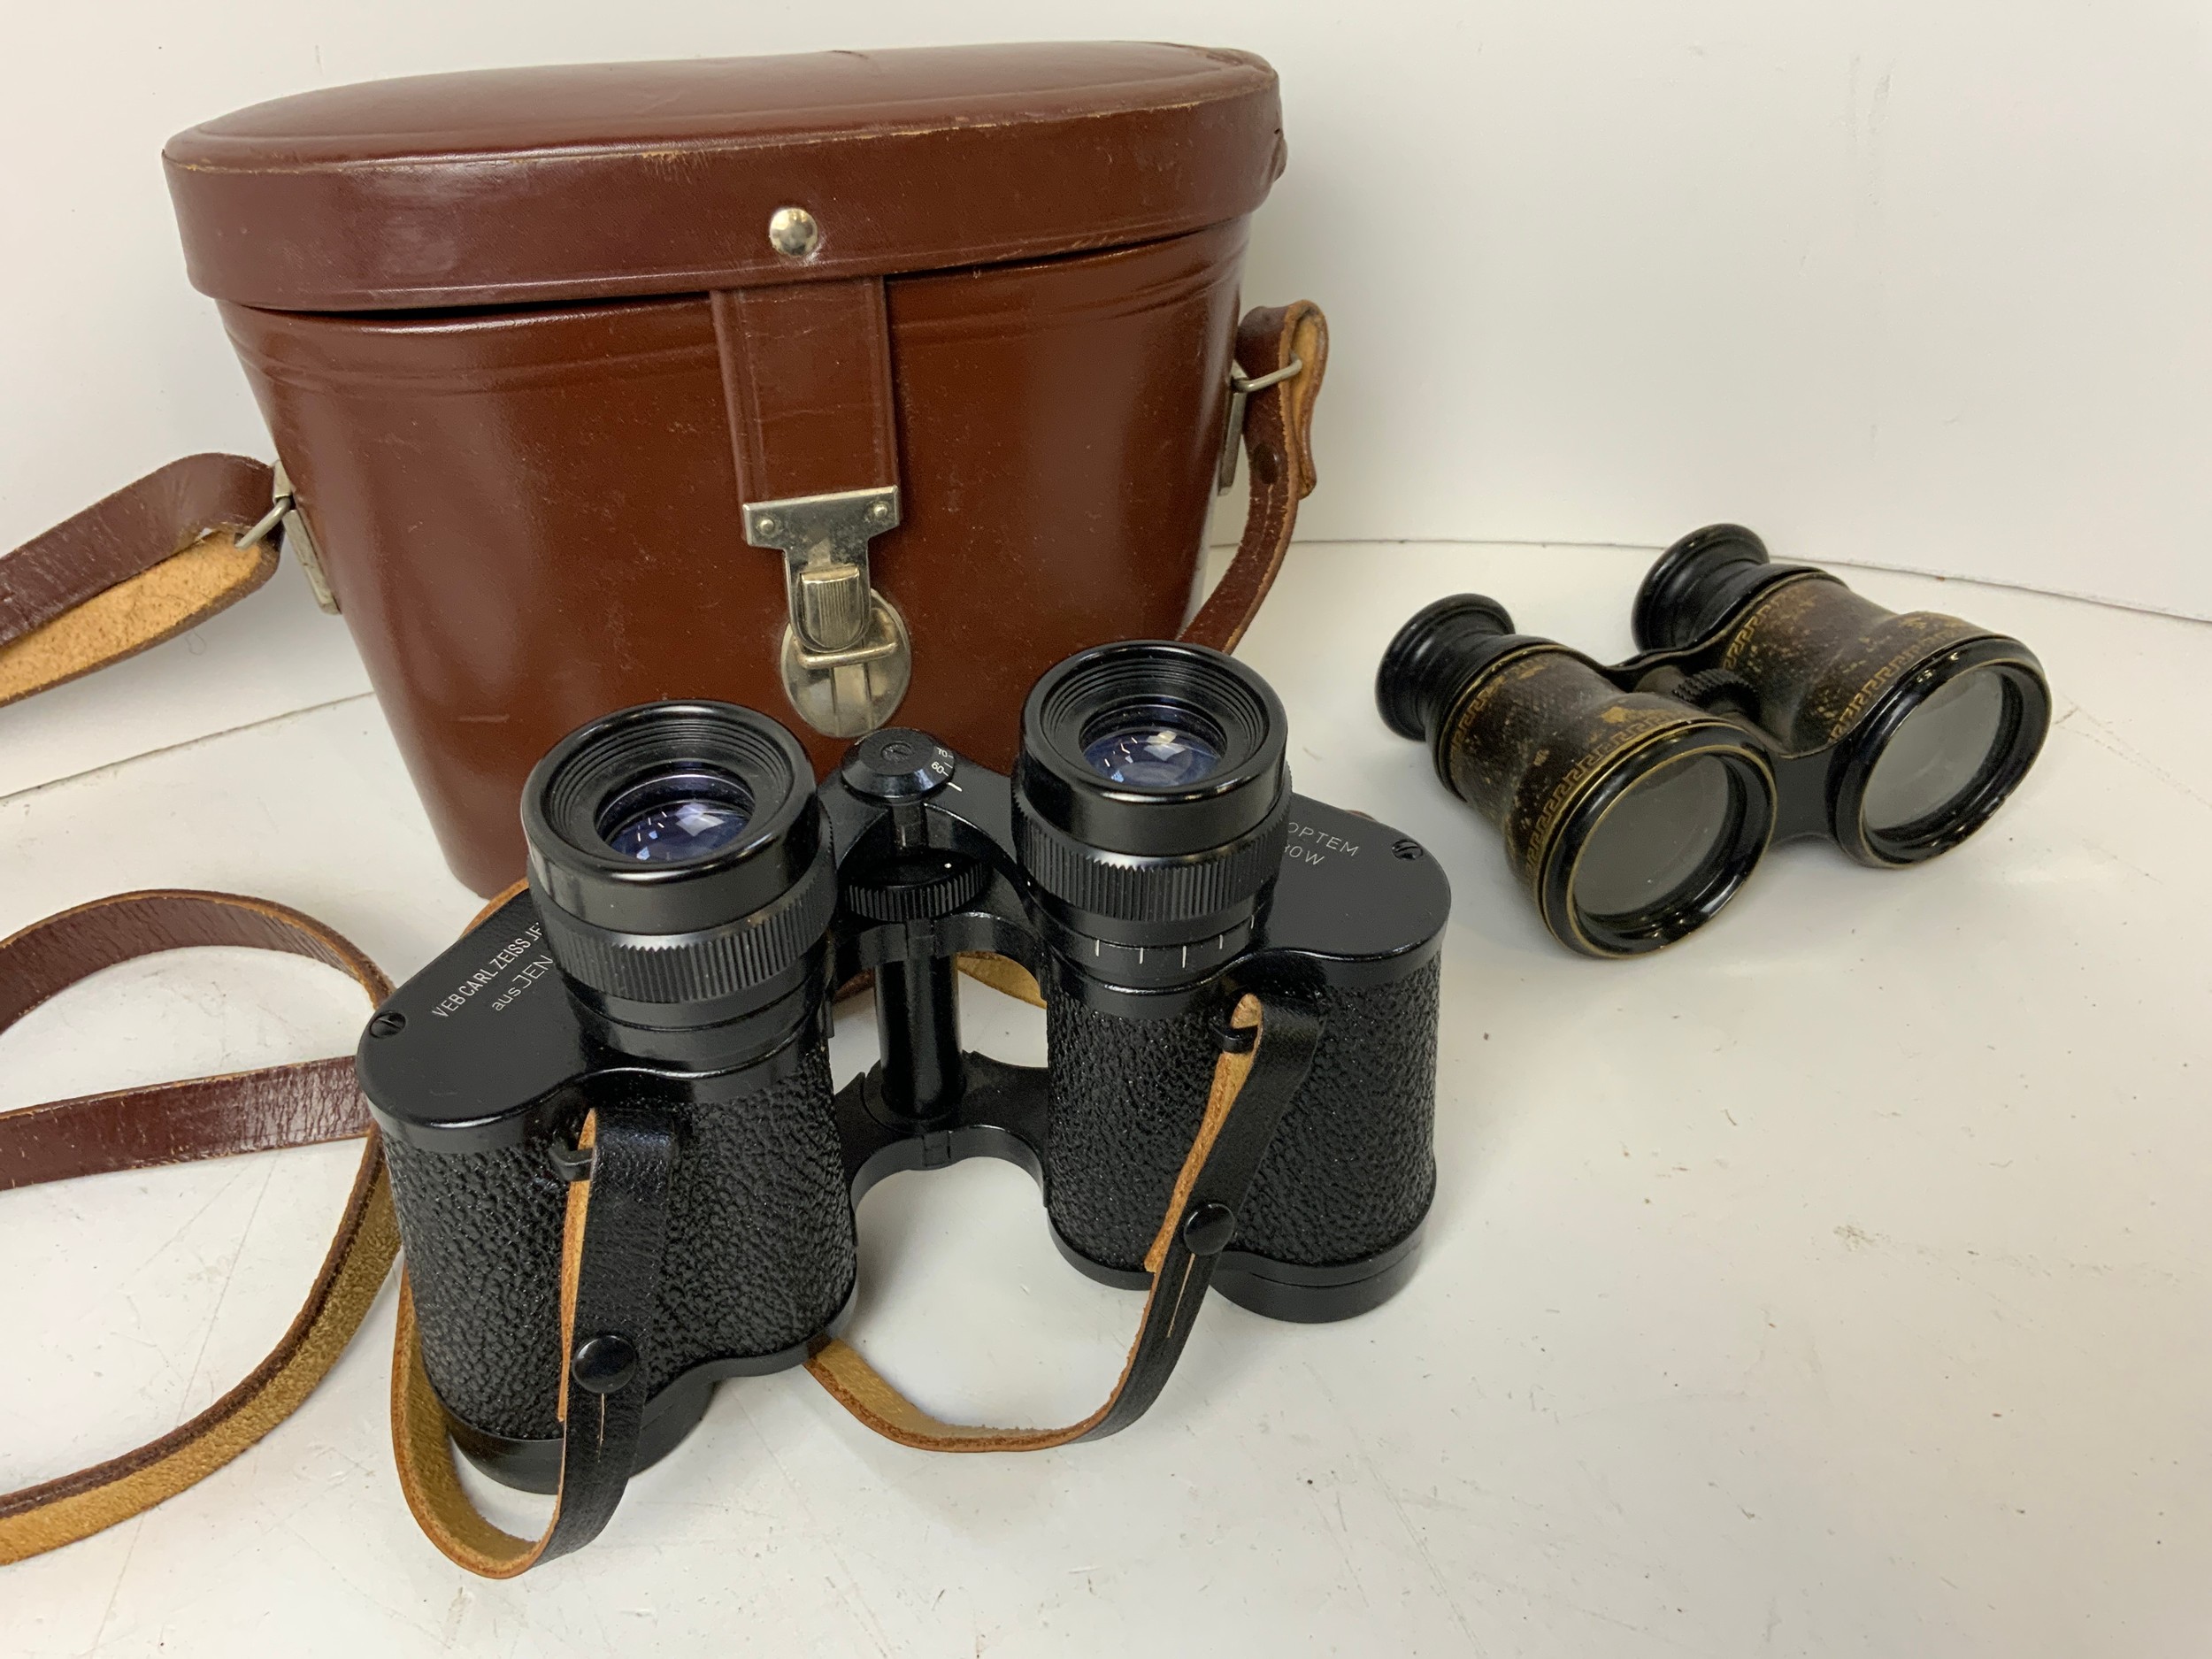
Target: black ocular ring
{"points": [[697, 967], [1165, 887]]}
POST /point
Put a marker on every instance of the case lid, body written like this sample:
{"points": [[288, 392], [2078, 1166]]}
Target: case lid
{"points": [[588, 181]]}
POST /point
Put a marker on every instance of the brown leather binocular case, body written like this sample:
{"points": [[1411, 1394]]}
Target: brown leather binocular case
{"points": [[843, 386]]}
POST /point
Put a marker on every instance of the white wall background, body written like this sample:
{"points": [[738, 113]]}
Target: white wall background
{"points": [[1911, 282]]}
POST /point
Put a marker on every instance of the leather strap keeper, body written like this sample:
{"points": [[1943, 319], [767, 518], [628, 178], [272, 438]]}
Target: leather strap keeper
{"points": [[806, 367], [1279, 451]]}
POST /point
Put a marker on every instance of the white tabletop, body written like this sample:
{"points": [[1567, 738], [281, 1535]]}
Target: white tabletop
{"points": [[1835, 1282]]}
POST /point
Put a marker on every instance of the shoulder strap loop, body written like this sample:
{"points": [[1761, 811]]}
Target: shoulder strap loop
{"points": [[1286, 346], [157, 557], [282, 1106]]}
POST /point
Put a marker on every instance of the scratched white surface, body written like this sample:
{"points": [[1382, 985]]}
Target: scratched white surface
{"points": [[1835, 1283]]}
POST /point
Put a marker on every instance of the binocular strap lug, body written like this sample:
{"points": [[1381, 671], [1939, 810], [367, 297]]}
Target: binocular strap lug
{"points": [[614, 1232], [1251, 1091]]}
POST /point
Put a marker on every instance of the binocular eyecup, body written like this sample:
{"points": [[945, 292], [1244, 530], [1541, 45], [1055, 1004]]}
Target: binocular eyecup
{"points": [[1699, 583], [1434, 655], [682, 874], [1151, 806], [686, 879]]}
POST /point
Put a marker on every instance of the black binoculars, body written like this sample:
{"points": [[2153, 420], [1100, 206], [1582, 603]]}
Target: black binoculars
{"points": [[650, 1017], [1767, 701]]}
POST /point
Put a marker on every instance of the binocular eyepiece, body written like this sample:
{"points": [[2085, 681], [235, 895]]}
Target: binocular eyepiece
{"points": [[686, 879], [1767, 701], [1151, 806], [683, 875]]}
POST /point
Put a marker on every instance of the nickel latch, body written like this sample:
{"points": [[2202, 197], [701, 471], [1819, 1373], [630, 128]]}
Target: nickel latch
{"points": [[847, 658]]}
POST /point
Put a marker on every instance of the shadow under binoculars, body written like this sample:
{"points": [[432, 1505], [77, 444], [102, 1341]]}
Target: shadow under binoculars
{"points": [[1767, 701]]}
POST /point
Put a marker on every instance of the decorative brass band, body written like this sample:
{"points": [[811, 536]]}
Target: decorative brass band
{"points": [[1822, 655]]}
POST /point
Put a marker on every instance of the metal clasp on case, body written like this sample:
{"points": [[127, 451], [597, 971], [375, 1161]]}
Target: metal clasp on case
{"points": [[288, 525], [1241, 388], [846, 655]]}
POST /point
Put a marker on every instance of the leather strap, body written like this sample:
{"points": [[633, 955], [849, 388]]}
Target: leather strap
{"points": [[155, 558], [281, 1106], [172, 1123], [616, 1227], [1250, 1093], [614, 1237], [1279, 451], [614, 1232]]}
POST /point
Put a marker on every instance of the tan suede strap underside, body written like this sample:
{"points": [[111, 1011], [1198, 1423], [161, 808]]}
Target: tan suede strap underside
{"points": [[422, 1451], [157, 556]]}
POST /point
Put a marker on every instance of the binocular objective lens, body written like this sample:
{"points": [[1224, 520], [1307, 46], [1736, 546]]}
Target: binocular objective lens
{"points": [[675, 816], [1941, 751], [1152, 748], [1660, 843]]}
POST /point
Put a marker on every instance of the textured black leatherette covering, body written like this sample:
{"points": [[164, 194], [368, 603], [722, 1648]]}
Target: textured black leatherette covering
{"points": [[1126, 1098], [482, 1236], [1350, 1171], [760, 1251]]}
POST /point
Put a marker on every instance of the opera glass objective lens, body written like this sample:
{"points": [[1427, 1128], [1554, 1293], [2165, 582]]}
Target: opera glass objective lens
{"points": [[1939, 753], [1632, 817], [1655, 847], [1924, 723]]}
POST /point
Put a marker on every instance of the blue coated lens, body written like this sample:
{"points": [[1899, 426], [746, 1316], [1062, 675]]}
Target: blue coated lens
{"points": [[1152, 754], [676, 817]]}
